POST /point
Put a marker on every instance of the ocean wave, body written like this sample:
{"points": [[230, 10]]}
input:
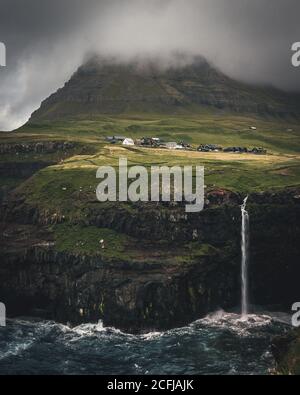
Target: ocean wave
{"points": [[221, 343]]}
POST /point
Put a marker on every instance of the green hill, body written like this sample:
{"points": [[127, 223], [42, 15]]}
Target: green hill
{"points": [[107, 87], [196, 103]]}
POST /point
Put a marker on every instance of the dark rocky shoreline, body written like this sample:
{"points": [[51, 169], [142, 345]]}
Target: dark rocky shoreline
{"points": [[152, 293], [286, 350]]}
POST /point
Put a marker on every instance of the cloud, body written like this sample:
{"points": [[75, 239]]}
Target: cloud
{"points": [[47, 40]]}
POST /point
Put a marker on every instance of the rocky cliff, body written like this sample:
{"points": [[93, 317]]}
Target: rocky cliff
{"points": [[286, 349], [183, 266]]}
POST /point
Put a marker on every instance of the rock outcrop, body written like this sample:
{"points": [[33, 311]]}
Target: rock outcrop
{"points": [[286, 349], [153, 292], [37, 147]]}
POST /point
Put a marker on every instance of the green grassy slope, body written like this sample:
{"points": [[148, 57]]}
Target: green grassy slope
{"points": [[240, 172], [66, 190], [225, 129]]}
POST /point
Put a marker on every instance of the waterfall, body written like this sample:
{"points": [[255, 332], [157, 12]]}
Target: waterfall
{"points": [[245, 257]]}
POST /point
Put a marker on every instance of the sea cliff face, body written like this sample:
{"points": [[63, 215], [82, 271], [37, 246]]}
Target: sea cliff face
{"points": [[286, 349], [184, 265], [130, 296]]}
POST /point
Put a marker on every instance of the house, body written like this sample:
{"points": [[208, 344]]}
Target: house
{"points": [[115, 139], [236, 149], [171, 145], [149, 142], [146, 141], [209, 148], [183, 145], [119, 138], [156, 139], [259, 151], [128, 141]]}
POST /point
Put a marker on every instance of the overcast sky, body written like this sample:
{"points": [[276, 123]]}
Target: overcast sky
{"points": [[47, 40]]}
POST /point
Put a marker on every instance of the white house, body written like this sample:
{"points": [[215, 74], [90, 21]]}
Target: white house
{"points": [[128, 141], [171, 145]]}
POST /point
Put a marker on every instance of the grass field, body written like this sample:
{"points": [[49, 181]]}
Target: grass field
{"points": [[239, 172], [208, 128], [67, 189]]}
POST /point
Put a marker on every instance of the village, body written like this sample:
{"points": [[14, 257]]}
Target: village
{"points": [[156, 142]]}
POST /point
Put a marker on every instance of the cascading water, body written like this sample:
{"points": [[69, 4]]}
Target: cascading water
{"points": [[245, 257]]}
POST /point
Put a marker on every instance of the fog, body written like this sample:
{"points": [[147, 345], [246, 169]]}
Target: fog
{"points": [[47, 40]]}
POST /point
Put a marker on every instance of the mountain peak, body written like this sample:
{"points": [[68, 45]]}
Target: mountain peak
{"points": [[177, 85]]}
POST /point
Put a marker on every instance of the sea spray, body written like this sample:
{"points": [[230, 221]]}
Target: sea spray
{"points": [[245, 257], [89, 349]]}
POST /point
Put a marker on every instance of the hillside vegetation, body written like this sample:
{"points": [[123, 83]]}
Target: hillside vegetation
{"points": [[104, 86], [239, 172]]}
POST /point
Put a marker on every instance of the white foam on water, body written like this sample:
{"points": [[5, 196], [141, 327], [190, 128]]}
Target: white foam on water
{"points": [[16, 348], [152, 335], [235, 322], [220, 342]]}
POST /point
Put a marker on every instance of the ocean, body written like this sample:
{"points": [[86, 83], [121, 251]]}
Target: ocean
{"points": [[222, 343]]}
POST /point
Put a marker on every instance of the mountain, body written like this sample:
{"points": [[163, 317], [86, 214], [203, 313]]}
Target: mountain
{"points": [[108, 87]]}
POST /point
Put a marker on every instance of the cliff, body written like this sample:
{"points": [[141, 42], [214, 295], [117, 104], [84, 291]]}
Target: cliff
{"points": [[160, 267], [286, 350]]}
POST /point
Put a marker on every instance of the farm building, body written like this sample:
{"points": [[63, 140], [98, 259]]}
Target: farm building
{"points": [[128, 141], [119, 138], [171, 145]]}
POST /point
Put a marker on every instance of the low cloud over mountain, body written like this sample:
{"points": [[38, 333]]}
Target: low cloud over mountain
{"points": [[47, 40]]}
